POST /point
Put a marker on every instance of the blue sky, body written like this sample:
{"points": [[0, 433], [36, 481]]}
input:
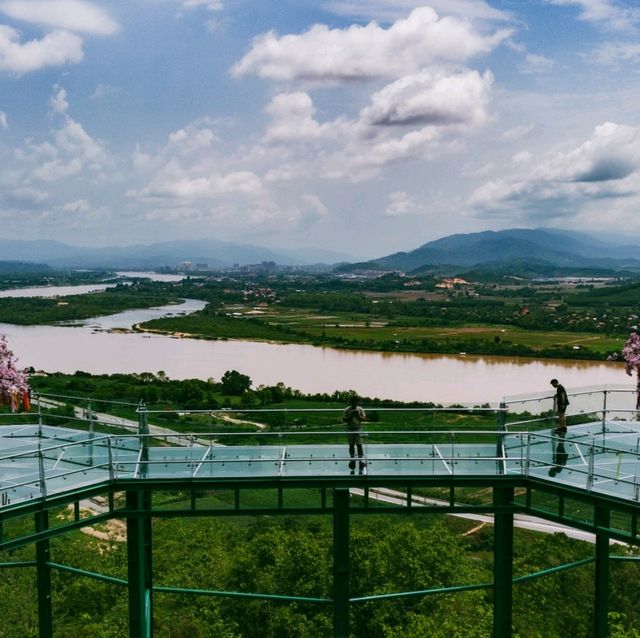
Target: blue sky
{"points": [[361, 126]]}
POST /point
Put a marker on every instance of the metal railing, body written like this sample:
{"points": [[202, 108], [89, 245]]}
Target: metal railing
{"points": [[601, 454]]}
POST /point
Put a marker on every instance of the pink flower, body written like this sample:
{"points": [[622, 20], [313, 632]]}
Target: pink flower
{"points": [[11, 379]]}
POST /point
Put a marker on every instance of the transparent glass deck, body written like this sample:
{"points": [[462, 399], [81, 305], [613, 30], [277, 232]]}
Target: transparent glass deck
{"points": [[599, 453]]}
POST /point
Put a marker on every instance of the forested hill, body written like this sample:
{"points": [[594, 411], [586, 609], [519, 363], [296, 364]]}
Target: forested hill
{"points": [[547, 246]]}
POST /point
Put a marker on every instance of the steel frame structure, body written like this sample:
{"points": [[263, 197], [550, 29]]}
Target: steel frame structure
{"points": [[610, 517]]}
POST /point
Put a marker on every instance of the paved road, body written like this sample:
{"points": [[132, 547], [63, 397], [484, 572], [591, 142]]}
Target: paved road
{"points": [[519, 520]]}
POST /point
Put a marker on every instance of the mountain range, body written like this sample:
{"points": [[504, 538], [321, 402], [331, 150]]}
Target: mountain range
{"points": [[512, 248], [517, 250], [214, 253]]}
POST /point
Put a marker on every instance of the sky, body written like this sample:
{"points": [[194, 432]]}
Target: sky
{"points": [[358, 126]]}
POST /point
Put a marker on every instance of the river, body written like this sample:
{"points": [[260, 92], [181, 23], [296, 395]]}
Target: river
{"points": [[407, 377]]}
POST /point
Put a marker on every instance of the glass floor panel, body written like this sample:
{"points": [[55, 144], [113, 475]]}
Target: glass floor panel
{"points": [[591, 456]]}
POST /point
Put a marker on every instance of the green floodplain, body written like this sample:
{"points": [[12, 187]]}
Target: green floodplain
{"points": [[389, 313], [292, 555]]}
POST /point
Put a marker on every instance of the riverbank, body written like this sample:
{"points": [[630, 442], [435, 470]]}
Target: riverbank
{"points": [[479, 340]]}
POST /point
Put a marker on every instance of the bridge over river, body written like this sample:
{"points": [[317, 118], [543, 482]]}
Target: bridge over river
{"points": [[586, 479]]}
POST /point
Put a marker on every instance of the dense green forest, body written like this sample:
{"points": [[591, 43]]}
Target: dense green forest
{"points": [[292, 556]]}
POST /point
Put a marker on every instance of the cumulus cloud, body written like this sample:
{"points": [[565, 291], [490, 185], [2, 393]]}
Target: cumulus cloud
{"points": [[418, 116], [401, 204], [431, 98], [517, 132], [188, 187], [607, 166], [70, 151], [58, 101], [210, 5], [4, 123], [613, 14], [54, 49], [325, 55], [612, 53], [70, 15], [390, 10], [293, 119], [534, 63]]}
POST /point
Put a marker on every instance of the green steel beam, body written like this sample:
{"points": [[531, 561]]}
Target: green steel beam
{"points": [[341, 563], [502, 562], [43, 577], [601, 603], [139, 564]]}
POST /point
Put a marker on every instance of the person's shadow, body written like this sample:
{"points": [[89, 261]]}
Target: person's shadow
{"points": [[560, 456]]}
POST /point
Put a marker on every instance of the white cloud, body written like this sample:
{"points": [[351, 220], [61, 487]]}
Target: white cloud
{"points": [[610, 13], [618, 52], [71, 15], [401, 204], [210, 5], [54, 49], [418, 116], [517, 132], [431, 98], [59, 102], [572, 183], [293, 119], [187, 187], [103, 91], [534, 63], [4, 123], [70, 153], [391, 10], [325, 55], [523, 157]]}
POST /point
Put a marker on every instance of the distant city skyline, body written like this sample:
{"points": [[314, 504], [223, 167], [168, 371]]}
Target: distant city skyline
{"points": [[360, 126]]}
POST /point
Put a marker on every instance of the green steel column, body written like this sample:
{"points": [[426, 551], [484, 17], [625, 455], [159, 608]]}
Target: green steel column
{"points": [[601, 606], [43, 571], [341, 563], [502, 563], [139, 564]]}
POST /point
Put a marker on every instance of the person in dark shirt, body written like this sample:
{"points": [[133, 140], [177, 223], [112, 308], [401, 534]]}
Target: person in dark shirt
{"points": [[560, 403], [354, 416]]}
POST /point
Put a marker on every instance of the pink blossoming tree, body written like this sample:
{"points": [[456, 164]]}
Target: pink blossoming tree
{"points": [[631, 354], [12, 380]]}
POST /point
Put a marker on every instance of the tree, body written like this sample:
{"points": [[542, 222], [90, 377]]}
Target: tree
{"points": [[13, 382], [631, 354], [234, 383]]}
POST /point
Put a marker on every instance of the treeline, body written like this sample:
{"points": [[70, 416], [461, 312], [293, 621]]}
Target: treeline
{"points": [[293, 556], [38, 310]]}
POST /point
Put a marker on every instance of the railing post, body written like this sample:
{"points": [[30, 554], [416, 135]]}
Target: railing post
{"points": [[43, 576], [502, 562], [528, 455], [110, 460], [41, 475], [143, 432], [341, 563], [502, 428], [39, 415], [604, 412], [591, 469], [89, 415]]}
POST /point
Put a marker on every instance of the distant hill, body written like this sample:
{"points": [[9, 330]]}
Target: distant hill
{"points": [[546, 248], [22, 267], [214, 253]]}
